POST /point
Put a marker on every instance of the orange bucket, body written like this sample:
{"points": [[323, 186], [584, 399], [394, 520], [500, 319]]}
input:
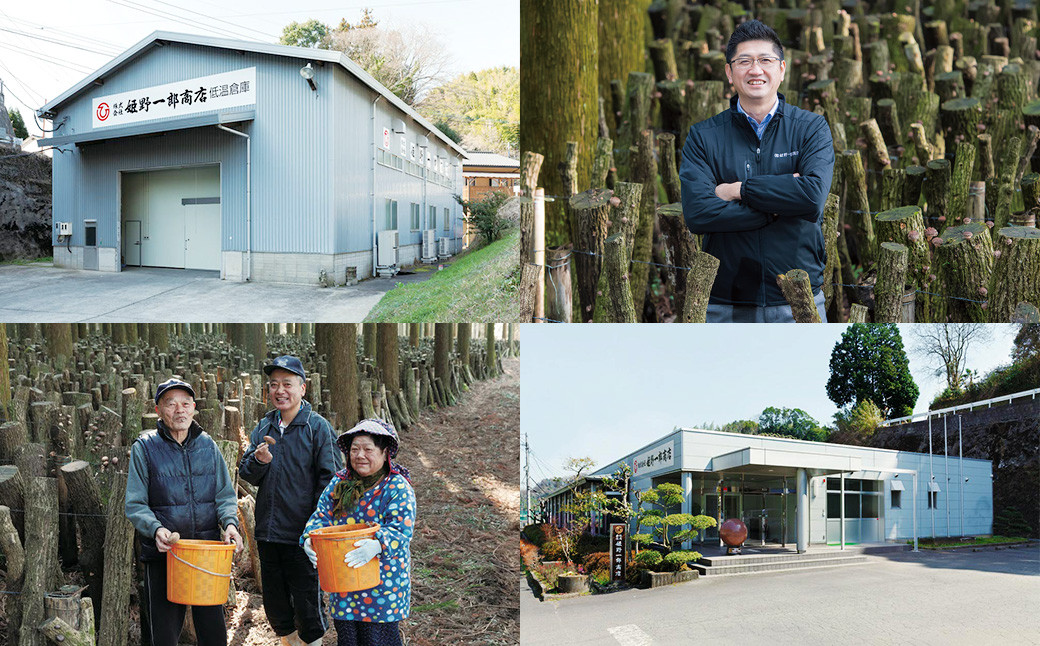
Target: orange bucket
{"points": [[331, 544], [198, 572]]}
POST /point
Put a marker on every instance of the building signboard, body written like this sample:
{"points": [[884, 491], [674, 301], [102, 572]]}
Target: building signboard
{"points": [[618, 551], [192, 96], [654, 459]]}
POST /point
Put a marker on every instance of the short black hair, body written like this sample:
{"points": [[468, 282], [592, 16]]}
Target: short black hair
{"points": [[752, 30]]}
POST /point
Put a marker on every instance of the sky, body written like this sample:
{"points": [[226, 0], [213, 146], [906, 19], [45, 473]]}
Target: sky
{"points": [[46, 49], [602, 391]]}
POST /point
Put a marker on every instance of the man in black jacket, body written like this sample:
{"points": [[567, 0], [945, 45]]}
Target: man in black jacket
{"points": [[755, 180], [178, 482], [290, 472]]}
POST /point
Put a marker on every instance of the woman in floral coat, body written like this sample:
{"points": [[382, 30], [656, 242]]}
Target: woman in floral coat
{"points": [[371, 489]]}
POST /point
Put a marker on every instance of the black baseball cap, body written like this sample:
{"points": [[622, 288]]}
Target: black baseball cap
{"points": [[172, 383], [286, 362]]}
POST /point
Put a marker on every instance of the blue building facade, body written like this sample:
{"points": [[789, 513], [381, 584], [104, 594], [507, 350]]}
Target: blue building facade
{"points": [[262, 162]]}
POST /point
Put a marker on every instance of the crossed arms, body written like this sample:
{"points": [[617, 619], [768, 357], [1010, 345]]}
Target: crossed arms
{"points": [[712, 207]]}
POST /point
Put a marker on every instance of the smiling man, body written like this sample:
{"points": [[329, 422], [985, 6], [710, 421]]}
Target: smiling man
{"points": [[178, 486], [754, 182], [292, 456]]}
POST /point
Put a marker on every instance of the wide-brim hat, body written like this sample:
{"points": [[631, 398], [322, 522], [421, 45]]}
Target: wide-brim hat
{"points": [[288, 363], [170, 384], [371, 427]]}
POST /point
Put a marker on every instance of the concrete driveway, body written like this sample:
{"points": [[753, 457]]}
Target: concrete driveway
{"points": [[44, 293], [944, 598]]}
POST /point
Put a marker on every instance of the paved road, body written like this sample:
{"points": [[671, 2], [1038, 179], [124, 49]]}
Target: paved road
{"points": [[946, 598], [43, 293]]}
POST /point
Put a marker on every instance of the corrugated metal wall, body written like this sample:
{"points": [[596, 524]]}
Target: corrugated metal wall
{"points": [[311, 157], [358, 139]]}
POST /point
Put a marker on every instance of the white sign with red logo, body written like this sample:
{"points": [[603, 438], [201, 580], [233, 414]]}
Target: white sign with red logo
{"points": [[661, 457], [386, 138], [191, 96]]}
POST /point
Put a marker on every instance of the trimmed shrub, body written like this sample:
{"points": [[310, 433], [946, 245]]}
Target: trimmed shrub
{"points": [[648, 558], [678, 560]]}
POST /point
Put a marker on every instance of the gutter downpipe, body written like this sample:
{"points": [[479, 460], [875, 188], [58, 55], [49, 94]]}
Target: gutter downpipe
{"points": [[249, 201], [372, 195]]}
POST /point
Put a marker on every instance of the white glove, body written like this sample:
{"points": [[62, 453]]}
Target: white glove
{"points": [[309, 551], [364, 551]]}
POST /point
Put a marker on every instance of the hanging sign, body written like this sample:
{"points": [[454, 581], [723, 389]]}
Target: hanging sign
{"points": [[191, 96], [618, 551]]}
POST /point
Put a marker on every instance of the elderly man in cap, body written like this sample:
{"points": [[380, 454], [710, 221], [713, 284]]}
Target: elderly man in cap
{"points": [[178, 483], [292, 456]]}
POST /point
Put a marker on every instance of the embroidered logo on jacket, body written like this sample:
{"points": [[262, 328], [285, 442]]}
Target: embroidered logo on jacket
{"points": [[793, 153]]}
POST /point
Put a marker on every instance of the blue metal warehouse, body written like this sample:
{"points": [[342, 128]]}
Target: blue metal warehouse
{"points": [[264, 162]]}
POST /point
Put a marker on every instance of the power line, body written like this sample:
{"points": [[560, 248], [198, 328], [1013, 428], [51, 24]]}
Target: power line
{"points": [[54, 41], [168, 16], [198, 13]]}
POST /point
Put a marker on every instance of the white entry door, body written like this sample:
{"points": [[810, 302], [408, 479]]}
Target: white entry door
{"points": [[132, 243], [202, 236]]}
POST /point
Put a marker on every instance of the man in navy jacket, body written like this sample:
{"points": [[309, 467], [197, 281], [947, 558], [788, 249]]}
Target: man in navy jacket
{"points": [[755, 179], [290, 476]]}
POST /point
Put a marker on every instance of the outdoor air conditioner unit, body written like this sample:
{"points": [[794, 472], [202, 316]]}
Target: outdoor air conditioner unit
{"points": [[444, 248], [64, 228], [429, 246], [386, 255]]}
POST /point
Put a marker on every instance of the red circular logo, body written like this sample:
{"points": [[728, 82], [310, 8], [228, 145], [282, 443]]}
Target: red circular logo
{"points": [[102, 111]]}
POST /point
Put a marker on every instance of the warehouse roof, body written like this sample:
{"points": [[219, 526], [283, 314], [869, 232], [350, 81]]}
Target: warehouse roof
{"points": [[158, 38], [480, 158]]}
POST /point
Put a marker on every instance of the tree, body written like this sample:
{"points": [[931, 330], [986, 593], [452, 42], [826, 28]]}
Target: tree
{"points": [[483, 107], [483, 215], [856, 425], [449, 132], [558, 95], [944, 347], [312, 33], [1027, 342], [5, 375], [792, 422], [17, 123], [622, 46], [869, 363], [408, 63], [338, 342], [742, 426], [389, 370]]}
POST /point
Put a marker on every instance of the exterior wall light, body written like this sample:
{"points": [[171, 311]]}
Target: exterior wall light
{"points": [[307, 72]]}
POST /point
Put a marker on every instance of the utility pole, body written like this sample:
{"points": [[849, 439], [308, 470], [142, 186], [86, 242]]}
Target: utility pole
{"points": [[527, 479]]}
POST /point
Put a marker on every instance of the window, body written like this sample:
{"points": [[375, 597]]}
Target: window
{"points": [[90, 234], [446, 220], [471, 181], [933, 499], [433, 217], [391, 215], [415, 216], [897, 500]]}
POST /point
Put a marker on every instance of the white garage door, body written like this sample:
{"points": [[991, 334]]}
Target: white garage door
{"points": [[171, 218]]}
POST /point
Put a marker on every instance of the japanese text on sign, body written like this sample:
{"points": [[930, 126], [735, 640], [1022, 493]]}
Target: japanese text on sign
{"points": [[652, 460], [618, 562], [203, 94]]}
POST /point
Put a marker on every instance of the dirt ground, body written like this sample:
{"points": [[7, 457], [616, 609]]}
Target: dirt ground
{"points": [[467, 487], [463, 461]]}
